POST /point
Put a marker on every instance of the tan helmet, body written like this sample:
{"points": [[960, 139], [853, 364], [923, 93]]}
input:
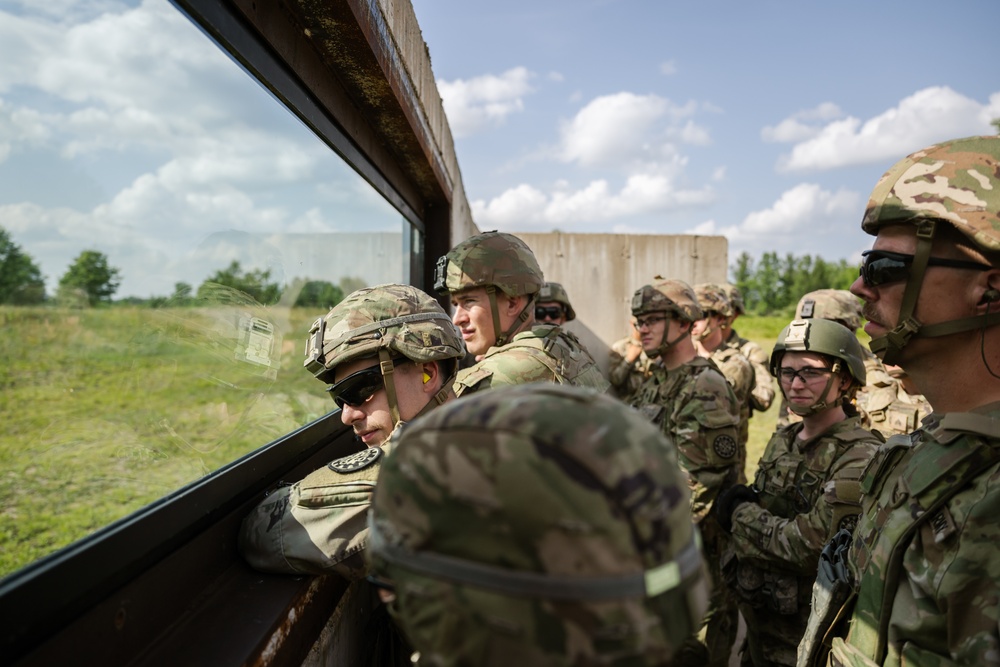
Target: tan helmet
{"points": [[674, 297], [954, 183], [538, 525], [713, 298], [735, 298], [838, 305], [383, 322], [557, 293]]}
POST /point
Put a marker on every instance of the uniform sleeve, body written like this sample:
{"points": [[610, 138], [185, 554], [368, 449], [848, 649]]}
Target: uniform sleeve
{"points": [[706, 432], [794, 544], [510, 367], [740, 375], [315, 526], [762, 394]]}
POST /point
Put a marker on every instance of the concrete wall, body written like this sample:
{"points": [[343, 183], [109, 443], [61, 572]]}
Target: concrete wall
{"points": [[601, 271]]}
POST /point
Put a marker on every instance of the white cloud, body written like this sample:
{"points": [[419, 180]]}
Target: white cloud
{"points": [[483, 101], [625, 128], [801, 125], [926, 117]]}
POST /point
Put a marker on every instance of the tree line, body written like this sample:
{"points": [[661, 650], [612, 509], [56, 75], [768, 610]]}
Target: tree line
{"points": [[92, 281], [773, 285]]}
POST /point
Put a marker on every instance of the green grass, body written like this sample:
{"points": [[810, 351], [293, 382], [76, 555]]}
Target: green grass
{"points": [[107, 410]]}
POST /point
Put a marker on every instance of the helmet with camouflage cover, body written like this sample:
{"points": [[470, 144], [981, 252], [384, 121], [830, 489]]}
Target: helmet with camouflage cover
{"points": [[675, 298], [713, 298], [954, 183], [838, 305], [383, 322], [830, 339], [557, 293], [538, 525], [735, 298], [492, 260]]}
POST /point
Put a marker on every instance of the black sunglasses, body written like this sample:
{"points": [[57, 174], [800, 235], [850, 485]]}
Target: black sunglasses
{"points": [[358, 387], [879, 267], [548, 312]]}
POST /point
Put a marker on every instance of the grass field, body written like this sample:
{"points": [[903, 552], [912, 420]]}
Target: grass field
{"points": [[107, 410]]}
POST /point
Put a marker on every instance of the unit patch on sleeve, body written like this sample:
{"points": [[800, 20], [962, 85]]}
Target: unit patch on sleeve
{"points": [[357, 461], [724, 446]]}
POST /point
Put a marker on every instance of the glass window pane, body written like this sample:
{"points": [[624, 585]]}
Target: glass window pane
{"points": [[186, 229]]}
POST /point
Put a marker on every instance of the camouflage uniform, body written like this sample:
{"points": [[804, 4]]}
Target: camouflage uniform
{"points": [[734, 365], [317, 525], [888, 408], [625, 377], [762, 394], [535, 526], [923, 557], [544, 353], [695, 407], [805, 492]]}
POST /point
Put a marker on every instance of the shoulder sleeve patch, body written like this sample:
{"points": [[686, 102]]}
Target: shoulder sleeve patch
{"points": [[725, 446], [355, 462]]}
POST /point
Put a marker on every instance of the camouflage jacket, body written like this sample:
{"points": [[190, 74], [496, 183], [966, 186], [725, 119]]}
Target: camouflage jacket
{"points": [[544, 353], [316, 525], [808, 490], [890, 410], [696, 408], [625, 377], [740, 376], [762, 394], [924, 552]]}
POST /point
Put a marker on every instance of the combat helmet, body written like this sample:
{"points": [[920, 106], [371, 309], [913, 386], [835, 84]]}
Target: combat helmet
{"points": [[386, 322], [675, 298], [955, 183], [735, 298], [493, 260], [830, 339], [538, 525], [557, 293], [838, 305]]}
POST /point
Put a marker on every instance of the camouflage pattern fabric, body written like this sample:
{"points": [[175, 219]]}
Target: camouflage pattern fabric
{"points": [[674, 297], [713, 298], [887, 408], [491, 258], [740, 375], [838, 305], [316, 525], [924, 551], [695, 407], [545, 353], [625, 377], [808, 490], [531, 526], [762, 394]]}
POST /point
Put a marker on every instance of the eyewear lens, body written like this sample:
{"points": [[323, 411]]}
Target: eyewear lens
{"points": [[648, 321], [880, 267], [548, 312], [807, 375]]}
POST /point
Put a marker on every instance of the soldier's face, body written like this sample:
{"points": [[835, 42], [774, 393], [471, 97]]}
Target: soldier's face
{"points": [[371, 419], [474, 317], [714, 326], [550, 312], [805, 379], [651, 328]]}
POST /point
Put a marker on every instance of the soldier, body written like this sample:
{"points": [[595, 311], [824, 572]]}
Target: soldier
{"points": [[553, 305], [628, 366], [921, 569], [537, 526], [762, 394], [691, 402], [709, 335], [805, 490], [389, 354], [493, 280]]}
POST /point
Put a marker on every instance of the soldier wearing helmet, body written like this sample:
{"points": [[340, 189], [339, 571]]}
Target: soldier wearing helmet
{"points": [[922, 559], [709, 335], [762, 393], [553, 305], [805, 489], [628, 366], [537, 526], [494, 279], [389, 354], [689, 399]]}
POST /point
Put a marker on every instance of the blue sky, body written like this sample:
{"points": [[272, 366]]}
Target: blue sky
{"points": [[767, 121]]}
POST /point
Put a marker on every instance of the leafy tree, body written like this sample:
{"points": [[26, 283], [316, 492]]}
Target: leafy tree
{"points": [[775, 285], [350, 284], [256, 284], [319, 294], [21, 281], [996, 123], [90, 280]]}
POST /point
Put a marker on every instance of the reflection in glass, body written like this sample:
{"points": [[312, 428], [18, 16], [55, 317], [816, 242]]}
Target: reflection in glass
{"points": [[124, 131]]}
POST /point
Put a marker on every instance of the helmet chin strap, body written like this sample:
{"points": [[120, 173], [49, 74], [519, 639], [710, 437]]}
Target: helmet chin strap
{"points": [[822, 404], [889, 347], [387, 368], [665, 345], [503, 337]]}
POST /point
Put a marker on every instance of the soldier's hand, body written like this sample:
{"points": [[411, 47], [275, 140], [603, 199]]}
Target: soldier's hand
{"points": [[729, 500], [632, 352]]}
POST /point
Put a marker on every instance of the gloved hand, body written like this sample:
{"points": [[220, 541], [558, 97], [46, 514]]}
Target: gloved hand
{"points": [[729, 500]]}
